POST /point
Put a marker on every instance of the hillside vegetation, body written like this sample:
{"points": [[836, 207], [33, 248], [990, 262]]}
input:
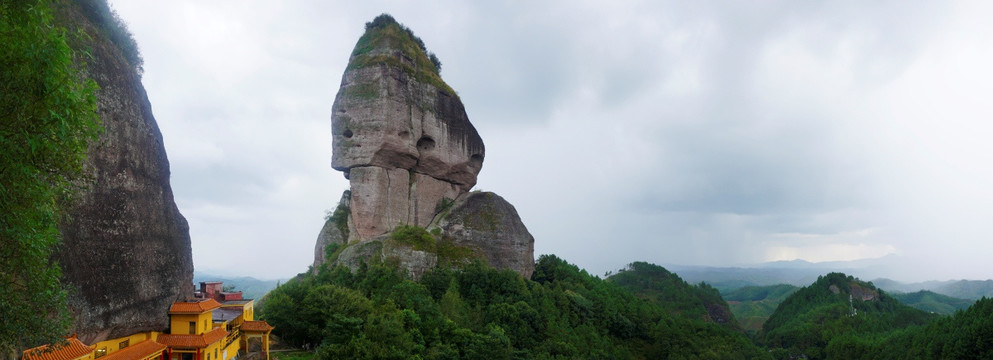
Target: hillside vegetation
{"points": [[934, 302], [656, 284], [834, 307], [477, 312], [966, 335]]}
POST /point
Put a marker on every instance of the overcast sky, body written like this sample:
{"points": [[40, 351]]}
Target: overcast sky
{"points": [[683, 132]]}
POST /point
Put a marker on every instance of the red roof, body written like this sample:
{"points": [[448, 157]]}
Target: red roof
{"points": [[193, 341], [73, 350], [256, 326], [193, 306], [137, 351]]}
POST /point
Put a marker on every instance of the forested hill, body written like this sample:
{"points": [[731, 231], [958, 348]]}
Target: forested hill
{"points": [[808, 322], [933, 302], [478, 312], [966, 335], [656, 284]]}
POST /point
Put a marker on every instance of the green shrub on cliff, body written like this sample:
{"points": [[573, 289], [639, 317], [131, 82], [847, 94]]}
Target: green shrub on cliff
{"points": [[48, 113]]}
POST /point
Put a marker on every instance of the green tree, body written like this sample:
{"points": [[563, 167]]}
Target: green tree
{"points": [[47, 120]]}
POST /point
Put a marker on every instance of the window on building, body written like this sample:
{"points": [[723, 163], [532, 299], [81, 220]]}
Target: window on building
{"points": [[215, 353], [193, 327], [99, 353], [208, 356], [124, 344]]}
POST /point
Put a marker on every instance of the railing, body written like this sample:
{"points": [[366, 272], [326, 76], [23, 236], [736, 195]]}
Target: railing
{"points": [[233, 335]]}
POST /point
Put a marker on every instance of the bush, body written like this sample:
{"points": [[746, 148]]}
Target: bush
{"points": [[48, 113]]}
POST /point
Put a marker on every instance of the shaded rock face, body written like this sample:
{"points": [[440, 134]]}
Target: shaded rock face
{"points": [[404, 141], [125, 251], [486, 222]]}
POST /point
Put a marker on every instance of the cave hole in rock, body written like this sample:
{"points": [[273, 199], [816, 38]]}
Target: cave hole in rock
{"points": [[476, 160], [404, 134], [425, 143], [348, 134]]}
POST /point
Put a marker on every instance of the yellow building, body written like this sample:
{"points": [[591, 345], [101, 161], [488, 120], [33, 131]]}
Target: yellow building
{"points": [[112, 346], [192, 335], [199, 329], [143, 350], [140, 346]]}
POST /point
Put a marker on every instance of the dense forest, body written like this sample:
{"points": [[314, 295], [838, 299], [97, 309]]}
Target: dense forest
{"points": [[476, 312], [835, 306], [643, 311]]}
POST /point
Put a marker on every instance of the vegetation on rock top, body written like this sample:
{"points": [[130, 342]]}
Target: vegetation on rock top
{"points": [[384, 34], [110, 24]]}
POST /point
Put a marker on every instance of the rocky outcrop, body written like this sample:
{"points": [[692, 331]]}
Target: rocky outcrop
{"points": [[863, 293], [400, 135], [404, 141], [335, 230], [486, 222], [125, 251]]}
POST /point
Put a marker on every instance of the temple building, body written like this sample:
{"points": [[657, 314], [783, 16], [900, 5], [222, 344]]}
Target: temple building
{"points": [[213, 325]]}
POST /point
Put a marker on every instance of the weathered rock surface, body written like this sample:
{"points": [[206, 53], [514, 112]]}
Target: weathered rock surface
{"points": [[126, 248], [404, 141], [485, 222], [332, 232]]}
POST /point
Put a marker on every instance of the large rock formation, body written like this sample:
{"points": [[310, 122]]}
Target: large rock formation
{"points": [[404, 141], [487, 222], [125, 252]]}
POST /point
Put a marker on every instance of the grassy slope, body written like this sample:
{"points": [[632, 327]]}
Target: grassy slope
{"points": [[752, 305]]}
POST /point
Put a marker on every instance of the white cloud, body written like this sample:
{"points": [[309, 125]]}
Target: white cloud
{"points": [[670, 132]]}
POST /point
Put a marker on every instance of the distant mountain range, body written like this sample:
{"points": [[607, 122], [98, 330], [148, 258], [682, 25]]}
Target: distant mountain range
{"points": [[250, 287], [802, 273]]}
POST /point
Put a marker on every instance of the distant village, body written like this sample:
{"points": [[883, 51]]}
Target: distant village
{"points": [[212, 325]]}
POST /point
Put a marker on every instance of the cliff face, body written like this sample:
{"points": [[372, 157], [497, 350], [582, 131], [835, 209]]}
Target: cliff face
{"points": [[125, 250], [403, 139]]}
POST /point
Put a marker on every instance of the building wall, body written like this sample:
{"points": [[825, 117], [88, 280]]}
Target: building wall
{"points": [[231, 351], [180, 323]]}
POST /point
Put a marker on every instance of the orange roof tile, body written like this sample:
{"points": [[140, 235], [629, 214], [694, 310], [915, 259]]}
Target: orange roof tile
{"points": [[193, 307], [137, 351], [73, 350], [193, 341], [256, 326]]}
